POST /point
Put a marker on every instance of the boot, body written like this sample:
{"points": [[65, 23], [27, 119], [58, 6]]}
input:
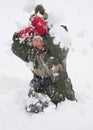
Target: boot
{"points": [[37, 107]]}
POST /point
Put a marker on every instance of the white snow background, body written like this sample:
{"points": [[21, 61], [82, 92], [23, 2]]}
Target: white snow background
{"points": [[15, 76]]}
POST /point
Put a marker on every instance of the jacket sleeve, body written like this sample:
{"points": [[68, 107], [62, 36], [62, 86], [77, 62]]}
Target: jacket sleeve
{"points": [[22, 50]]}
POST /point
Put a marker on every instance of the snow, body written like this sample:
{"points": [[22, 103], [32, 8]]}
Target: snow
{"points": [[61, 36], [15, 76]]}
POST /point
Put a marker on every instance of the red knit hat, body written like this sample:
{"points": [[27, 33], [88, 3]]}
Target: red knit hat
{"points": [[40, 25]]}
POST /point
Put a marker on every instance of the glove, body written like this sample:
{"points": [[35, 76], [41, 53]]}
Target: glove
{"points": [[46, 81], [15, 37]]}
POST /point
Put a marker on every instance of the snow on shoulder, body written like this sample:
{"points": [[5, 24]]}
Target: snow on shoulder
{"points": [[61, 36]]}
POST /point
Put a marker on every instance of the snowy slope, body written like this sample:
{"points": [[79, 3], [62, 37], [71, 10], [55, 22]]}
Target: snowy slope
{"points": [[15, 76]]}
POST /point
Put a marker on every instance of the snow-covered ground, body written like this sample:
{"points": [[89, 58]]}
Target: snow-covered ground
{"points": [[15, 76]]}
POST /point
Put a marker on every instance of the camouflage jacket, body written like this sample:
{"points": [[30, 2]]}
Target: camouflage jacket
{"points": [[53, 55]]}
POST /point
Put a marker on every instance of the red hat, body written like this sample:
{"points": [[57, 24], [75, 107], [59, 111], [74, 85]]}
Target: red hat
{"points": [[40, 25]]}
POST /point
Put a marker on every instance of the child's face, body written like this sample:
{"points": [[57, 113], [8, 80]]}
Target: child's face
{"points": [[37, 43]]}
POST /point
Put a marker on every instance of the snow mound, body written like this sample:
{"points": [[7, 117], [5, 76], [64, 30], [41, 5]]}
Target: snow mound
{"points": [[15, 76]]}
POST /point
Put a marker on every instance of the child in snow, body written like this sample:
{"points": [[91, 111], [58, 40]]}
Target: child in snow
{"points": [[50, 79]]}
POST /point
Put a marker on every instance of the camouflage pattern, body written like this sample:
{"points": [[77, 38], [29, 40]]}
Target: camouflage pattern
{"points": [[61, 89], [58, 91], [53, 55], [22, 49]]}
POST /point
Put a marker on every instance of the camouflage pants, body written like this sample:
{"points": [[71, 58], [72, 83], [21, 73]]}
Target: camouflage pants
{"points": [[57, 92]]}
